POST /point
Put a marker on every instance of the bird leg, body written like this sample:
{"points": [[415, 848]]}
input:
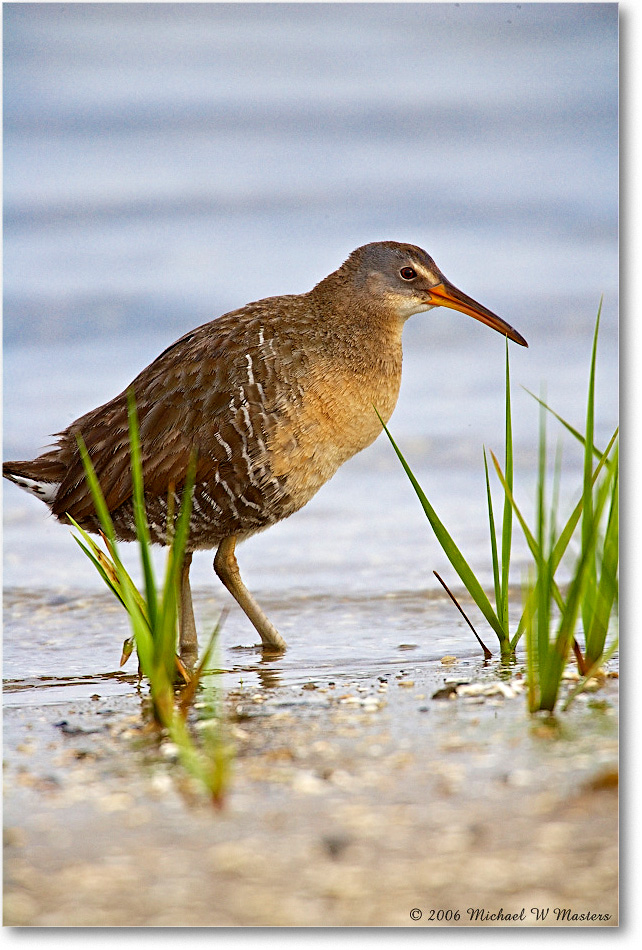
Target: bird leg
{"points": [[227, 569], [187, 638]]}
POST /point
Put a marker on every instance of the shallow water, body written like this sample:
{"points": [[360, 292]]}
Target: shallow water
{"points": [[64, 646], [164, 164]]}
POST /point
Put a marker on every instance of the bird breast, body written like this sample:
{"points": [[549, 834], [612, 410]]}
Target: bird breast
{"points": [[331, 418]]}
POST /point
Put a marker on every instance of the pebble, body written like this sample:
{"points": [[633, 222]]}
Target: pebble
{"points": [[161, 783], [371, 703], [335, 844], [446, 692], [490, 689], [592, 684], [169, 750], [210, 723], [306, 783]]}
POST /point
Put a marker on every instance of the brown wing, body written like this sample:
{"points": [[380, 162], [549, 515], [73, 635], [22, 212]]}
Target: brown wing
{"points": [[183, 402]]}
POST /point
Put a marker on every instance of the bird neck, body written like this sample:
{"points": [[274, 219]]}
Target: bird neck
{"points": [[355, 328]]}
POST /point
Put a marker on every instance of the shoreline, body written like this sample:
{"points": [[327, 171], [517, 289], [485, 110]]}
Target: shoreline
{"points": [[352, 802]]}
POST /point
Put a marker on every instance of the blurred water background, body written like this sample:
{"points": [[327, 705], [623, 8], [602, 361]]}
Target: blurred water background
{"points": [[164, 163]]}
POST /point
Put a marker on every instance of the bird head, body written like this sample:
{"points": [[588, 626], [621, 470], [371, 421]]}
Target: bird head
{"points": [[409, 281]]}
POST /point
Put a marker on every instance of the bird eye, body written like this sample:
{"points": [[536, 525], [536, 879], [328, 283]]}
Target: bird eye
{"points": [[408, 273]]}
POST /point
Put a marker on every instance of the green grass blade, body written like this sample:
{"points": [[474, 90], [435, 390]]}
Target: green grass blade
{"points": [[180, 534], [582, 576], [574, 432], [543, 587], [527, 622], [507, 521], [189, 691], [140, 516], [140, 623], [105, 521], [569, 528], [588, 604], [179, 531], [596, 634], [154, 622], [562, 541], [555, 497], [604, 658], [451, 550], [107, 568], [559, 648], [114, 588], [531, 540], [98, 498], [493, 541]]}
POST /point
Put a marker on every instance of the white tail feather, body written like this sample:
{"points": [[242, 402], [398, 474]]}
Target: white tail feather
{"points": [[45, 491]]}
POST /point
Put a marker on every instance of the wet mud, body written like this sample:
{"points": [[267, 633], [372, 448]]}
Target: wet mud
{"points": [[417, 794]]}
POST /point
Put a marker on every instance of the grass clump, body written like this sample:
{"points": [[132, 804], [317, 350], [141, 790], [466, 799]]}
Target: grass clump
{"points": [[154, 620], [549, 638], [549, 618]]}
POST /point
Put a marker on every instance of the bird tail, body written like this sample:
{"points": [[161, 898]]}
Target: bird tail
{"points": [[40, 477]]}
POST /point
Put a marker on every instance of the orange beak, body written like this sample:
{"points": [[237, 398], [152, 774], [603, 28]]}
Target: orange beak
{"points": [[445, 295]]}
